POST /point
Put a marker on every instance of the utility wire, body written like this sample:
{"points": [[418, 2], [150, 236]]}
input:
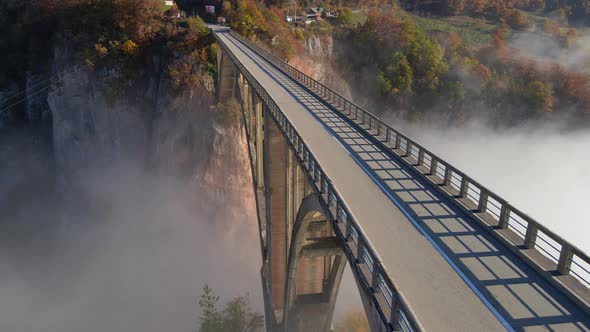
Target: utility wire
{"points": [[49, 79], [64, 74]]}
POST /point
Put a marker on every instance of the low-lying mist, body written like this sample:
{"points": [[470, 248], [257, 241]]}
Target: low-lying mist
{"points": [[128, 250], [542, 170]]}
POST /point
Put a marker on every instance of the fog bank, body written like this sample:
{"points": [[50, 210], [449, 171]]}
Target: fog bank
{"points": [[129, 250], [543, 171]]}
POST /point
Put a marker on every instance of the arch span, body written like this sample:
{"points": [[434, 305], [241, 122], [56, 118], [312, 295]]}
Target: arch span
{"points": [[310, 296]]}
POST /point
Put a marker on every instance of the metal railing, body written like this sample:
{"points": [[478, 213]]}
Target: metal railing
{"points": [[393, 309], [484, 205]]}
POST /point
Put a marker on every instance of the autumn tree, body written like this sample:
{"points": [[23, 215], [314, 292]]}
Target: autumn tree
{"points": [[518, 20], [384, 85], [454, 7], [426, 57], [477, 7], [248, 18], [211, 320], [400, 73], [237, 315], [454, 47], [344, 16], [550, 27], [540, 96], [569, 38], [482, 72], [227, 9]]}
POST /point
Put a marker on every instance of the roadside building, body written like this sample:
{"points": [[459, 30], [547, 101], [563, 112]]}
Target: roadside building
{"points": [[317, 12]]}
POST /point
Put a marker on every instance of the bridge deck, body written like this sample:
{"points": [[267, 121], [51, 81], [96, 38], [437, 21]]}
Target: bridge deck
{"points": [[455, 276]]}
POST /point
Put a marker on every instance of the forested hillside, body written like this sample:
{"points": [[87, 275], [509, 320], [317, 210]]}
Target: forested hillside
{"points": [[506, 61]]}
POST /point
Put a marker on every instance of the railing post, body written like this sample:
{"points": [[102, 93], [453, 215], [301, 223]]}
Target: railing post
{"points": [[433, 165], [565, 259], [420, 157], [531, 235], [408, 148], [359, 250], [448, 174], [397, 141], [504, 216], [374, 277], [394, 314], [348, 229], [483, 201], [464, 187]]}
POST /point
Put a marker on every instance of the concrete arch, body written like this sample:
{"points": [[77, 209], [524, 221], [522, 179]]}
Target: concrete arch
{"points": [[312, 312]]}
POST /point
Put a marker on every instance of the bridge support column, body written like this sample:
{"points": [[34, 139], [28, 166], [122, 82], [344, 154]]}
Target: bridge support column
{"points": [[259, 114], [275, 161], [246, 102], [226, 77], [291, 163], [252, 114]]}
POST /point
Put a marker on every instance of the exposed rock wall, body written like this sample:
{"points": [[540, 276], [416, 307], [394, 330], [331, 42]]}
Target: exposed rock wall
{"points": [[36, 104], [5, 99], [318, 62], [108, 114]]}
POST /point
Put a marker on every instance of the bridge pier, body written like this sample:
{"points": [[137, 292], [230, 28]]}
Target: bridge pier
{"points": [[226, 77], [275, 162], [259, 141]]}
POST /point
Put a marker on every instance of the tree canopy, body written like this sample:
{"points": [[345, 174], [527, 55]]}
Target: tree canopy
{"points": [[236, 315]]}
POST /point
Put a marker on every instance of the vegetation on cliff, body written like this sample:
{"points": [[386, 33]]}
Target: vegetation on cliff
{"points": [[237, 315], [418, 71], [126, 38]]}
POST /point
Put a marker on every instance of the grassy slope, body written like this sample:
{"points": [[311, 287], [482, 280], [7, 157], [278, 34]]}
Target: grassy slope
{"points": [[475, 32]]}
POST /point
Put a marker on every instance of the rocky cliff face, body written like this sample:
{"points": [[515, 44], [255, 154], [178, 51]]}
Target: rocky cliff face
{"points": [[36, 108], [10, 90], [318, 62], [114, 117], [107, 115]]}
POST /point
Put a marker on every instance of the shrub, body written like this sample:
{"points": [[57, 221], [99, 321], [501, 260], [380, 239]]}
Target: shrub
{"points": [[129, 47], [518, 20]]}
